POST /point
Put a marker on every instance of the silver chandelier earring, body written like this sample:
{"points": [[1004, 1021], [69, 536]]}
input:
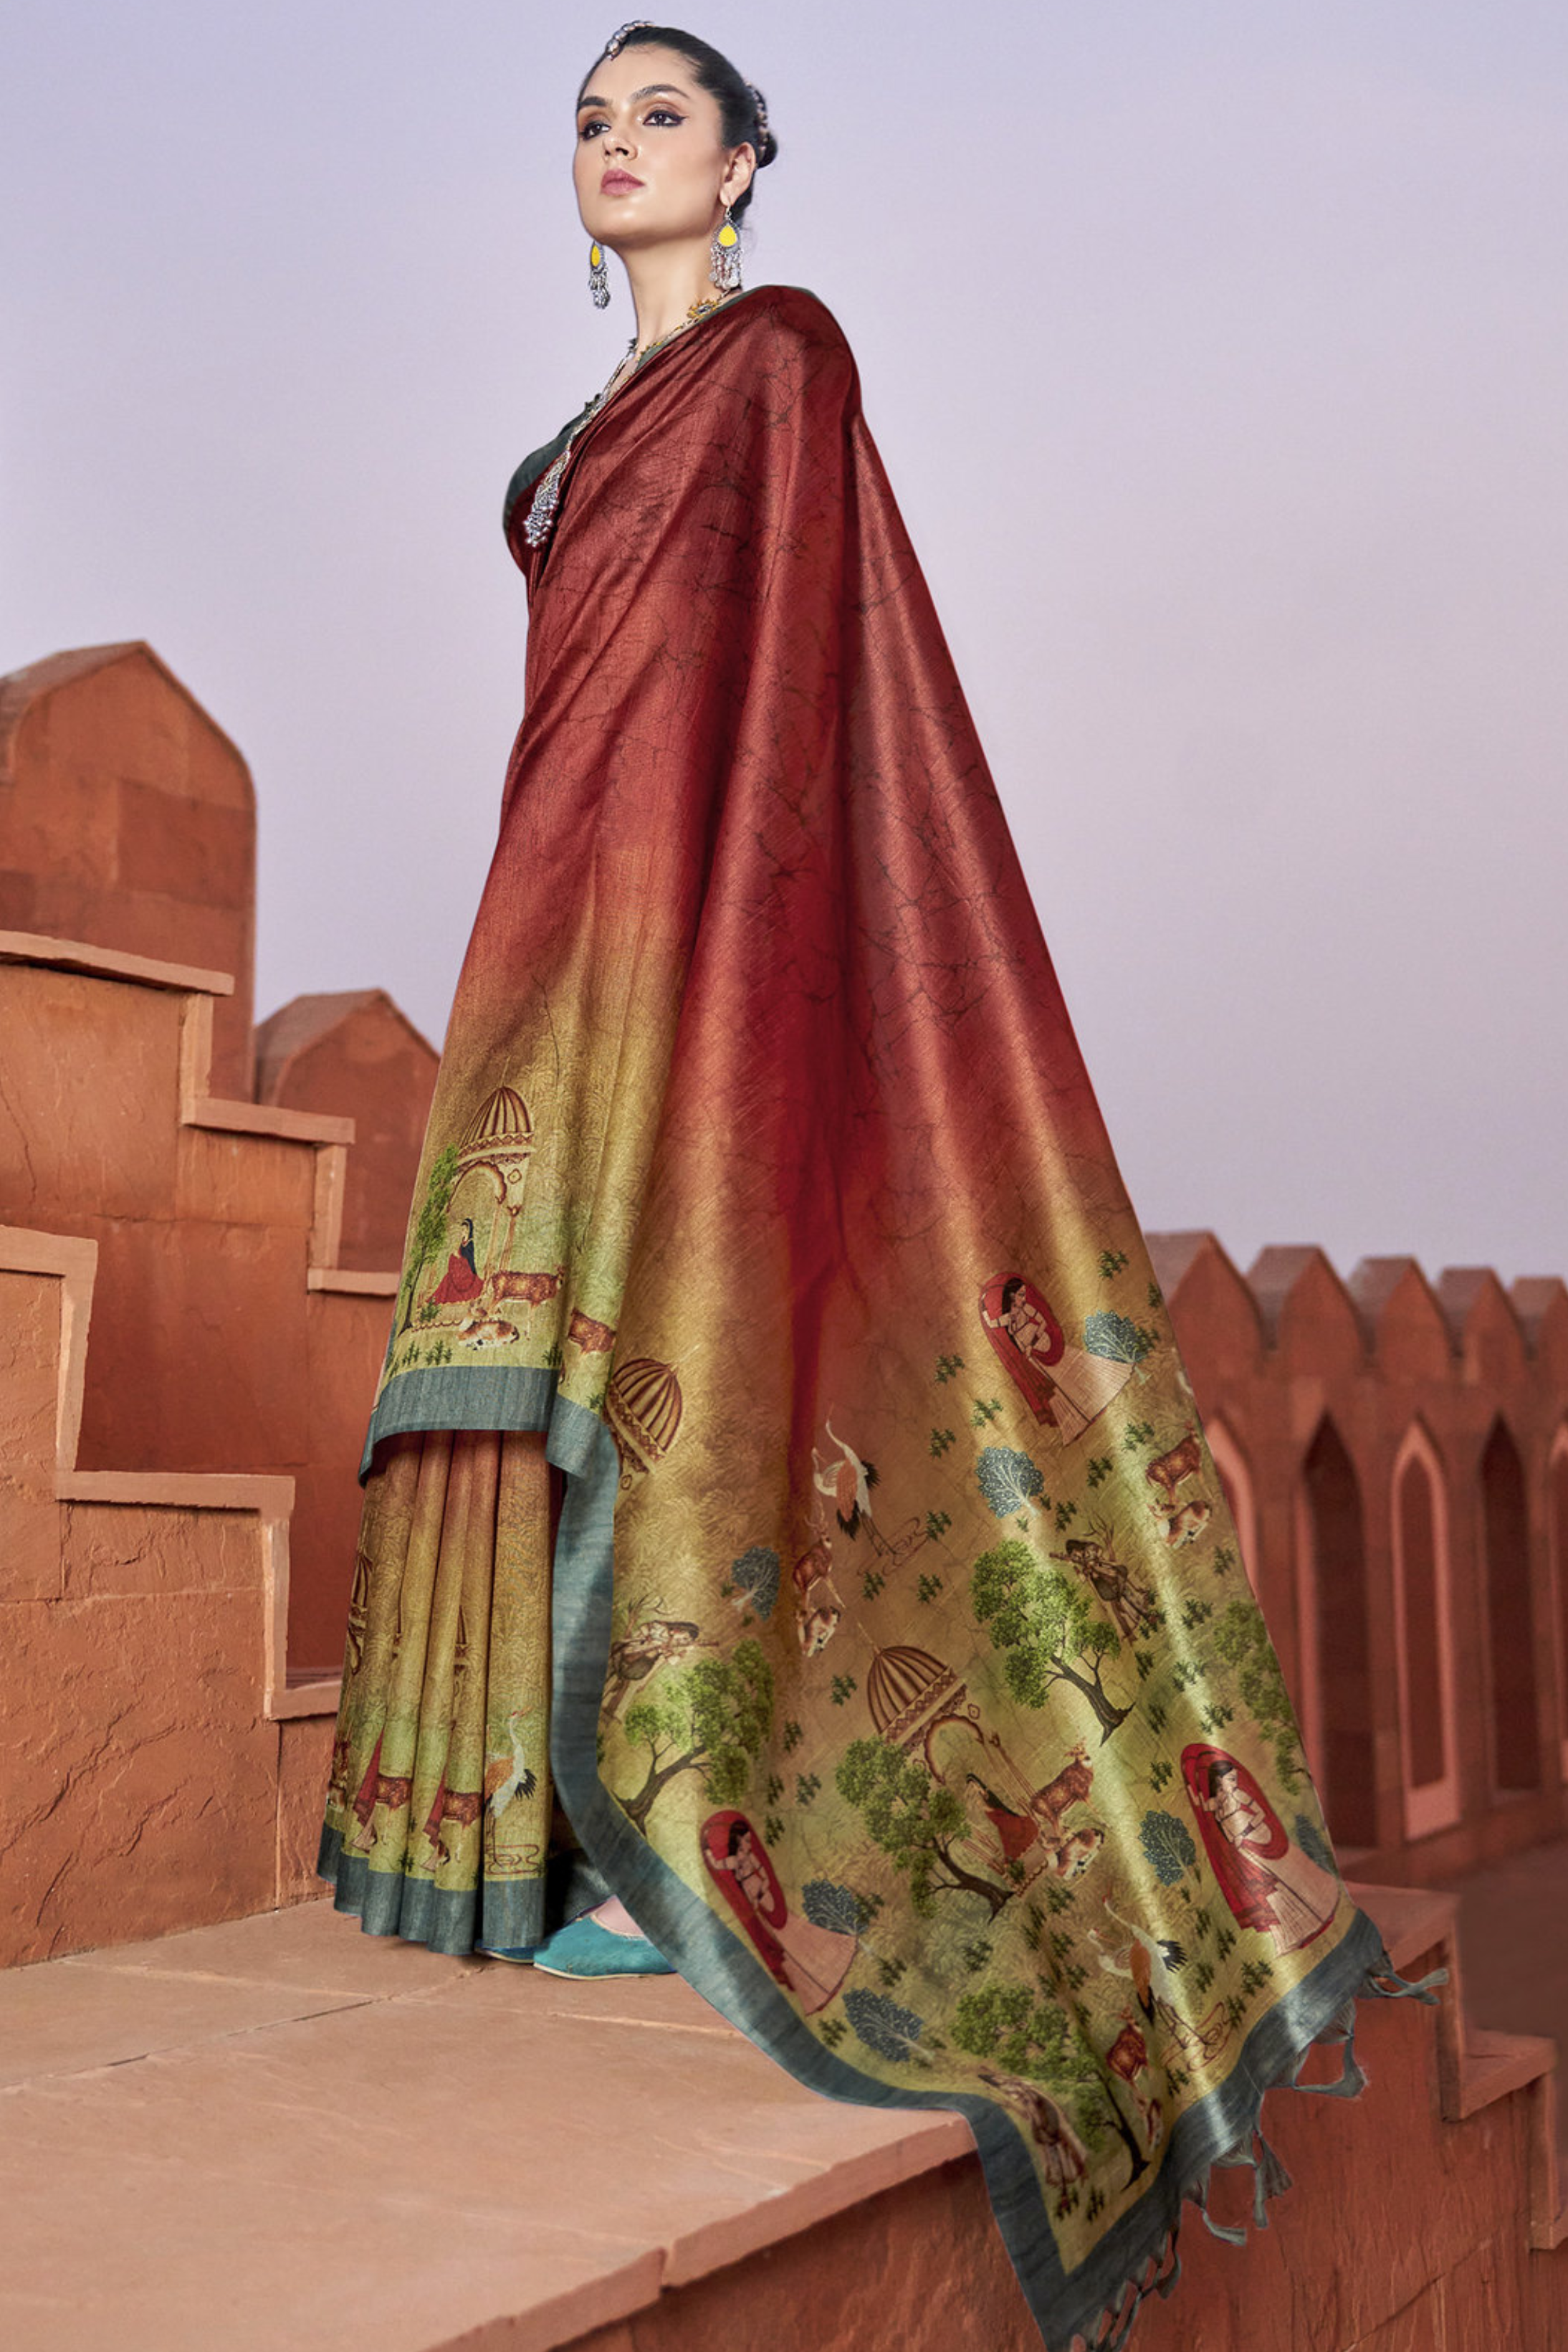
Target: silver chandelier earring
{"points": [[724, 267], [598, 279]]}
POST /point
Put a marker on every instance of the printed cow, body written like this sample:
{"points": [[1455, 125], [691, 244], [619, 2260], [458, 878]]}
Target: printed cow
{"points": [[817, 1604], [1063, 2157], [1070, 1856], [1071, 1787], [460, 1807], [534, 1290], [1186, 1524], [486, 1331], [1168, 1471], [593, 1338]]}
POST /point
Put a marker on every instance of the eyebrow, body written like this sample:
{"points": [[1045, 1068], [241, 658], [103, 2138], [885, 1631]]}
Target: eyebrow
{"points": [[655, 89]]}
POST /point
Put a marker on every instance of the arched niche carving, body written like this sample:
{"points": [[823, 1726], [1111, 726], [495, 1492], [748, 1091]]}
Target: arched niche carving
{"points": [[1512, 1686], [1557, 1524], [1236, 1484], [1423, 1617], [1336, 1647]]}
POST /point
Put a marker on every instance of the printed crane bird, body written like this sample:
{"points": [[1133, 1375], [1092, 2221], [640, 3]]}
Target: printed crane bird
{"points": [[1150, 1960], [847, 1483], [1153, 1963], [508, 1777]]}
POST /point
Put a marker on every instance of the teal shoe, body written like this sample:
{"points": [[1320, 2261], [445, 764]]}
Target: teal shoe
{"points": [[584, 1948], [522, 1954]]}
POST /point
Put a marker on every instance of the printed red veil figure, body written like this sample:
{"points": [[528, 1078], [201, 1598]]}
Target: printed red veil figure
{"points": [[812, 1961], [461, 1283], [730, 1516], [1269, 1884], [1067, 1386]]}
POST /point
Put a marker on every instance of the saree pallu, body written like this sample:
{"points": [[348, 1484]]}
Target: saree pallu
{"points": [[904, 1679]]}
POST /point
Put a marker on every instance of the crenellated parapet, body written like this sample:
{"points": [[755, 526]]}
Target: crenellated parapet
{"points": [[1395, 1453]]}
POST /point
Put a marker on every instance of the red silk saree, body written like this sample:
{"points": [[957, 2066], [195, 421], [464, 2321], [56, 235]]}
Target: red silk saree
{"points": [[901, 1672]]}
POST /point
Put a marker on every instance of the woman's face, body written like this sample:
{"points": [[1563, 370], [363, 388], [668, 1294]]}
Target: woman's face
{"points": [[650, 166]]}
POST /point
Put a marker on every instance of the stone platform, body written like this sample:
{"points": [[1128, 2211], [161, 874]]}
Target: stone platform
{"points": [[279, 2135], [281, 2132]]}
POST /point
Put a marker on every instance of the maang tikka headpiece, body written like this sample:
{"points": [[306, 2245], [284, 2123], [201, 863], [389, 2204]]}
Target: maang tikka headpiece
{"points": [[617, 41]]}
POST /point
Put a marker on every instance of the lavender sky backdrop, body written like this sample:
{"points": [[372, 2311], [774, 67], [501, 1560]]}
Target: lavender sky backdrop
{"points": [[1220, 356]]}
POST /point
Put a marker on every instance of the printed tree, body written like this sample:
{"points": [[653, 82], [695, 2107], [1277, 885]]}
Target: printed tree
{"points": [[1009, 1480], [1118, 1338], [1309, 1837], [885, 2026], [1047, 1630], [840, 1908], [844, 1913], [754, 1578], [1021, 2032], [914, 1820], [1241, 1637], [429, 1227], [710, 1717], [1167, 1847]]}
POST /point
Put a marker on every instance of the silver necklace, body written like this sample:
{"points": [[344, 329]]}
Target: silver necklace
{"points": [[542, 513]]}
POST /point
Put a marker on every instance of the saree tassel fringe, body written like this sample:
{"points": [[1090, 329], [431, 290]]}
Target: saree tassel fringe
{"points": [[1269, 2176]]}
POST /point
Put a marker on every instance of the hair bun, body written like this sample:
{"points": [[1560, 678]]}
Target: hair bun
{"points": [[765, 143]]}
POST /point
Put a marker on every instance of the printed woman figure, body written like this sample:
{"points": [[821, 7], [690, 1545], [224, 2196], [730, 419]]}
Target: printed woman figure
{"points": [[1015, 1831], [462, 1280], [1130, 1605], [1063, 2155], [1270, 1884], [812, 1962], [1061, 1384], [652, 1643]]}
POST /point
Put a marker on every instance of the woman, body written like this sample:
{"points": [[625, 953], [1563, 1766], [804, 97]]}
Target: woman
{"points": [[1268, 1883], [756, 1064], [812, 1961], [1065, 1387], [461, 1283], [1015, 1832]]}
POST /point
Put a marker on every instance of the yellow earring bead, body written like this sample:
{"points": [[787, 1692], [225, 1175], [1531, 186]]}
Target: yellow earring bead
{"points": [[724, 256]]}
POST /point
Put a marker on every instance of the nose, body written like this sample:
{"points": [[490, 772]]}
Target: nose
{"points": [[616, 143]]}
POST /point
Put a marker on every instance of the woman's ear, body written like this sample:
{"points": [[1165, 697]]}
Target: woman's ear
{"points": [[739, 177]]}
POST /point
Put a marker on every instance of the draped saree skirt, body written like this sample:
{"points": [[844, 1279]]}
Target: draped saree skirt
{"points": [[441, 1824]]}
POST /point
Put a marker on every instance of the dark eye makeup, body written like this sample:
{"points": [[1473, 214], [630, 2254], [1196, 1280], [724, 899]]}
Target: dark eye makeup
{"points": [[594, 125]]}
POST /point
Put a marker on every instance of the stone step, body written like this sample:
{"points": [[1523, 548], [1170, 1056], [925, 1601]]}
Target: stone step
{"points": [[281, 2132], [161, 1768], [228, 1338]]}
